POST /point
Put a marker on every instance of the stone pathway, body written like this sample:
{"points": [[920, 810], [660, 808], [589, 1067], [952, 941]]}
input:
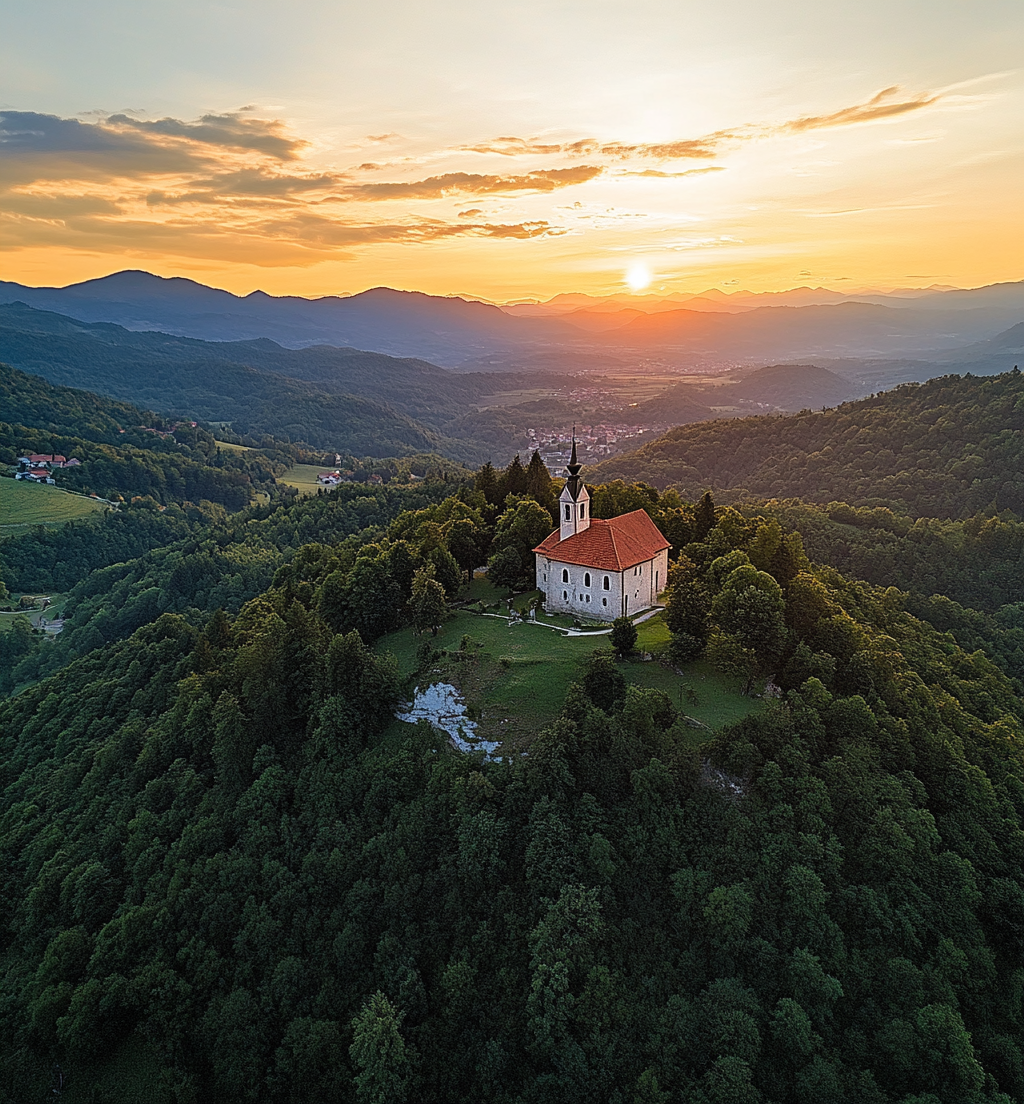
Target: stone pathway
{"points": [[572, 632]]}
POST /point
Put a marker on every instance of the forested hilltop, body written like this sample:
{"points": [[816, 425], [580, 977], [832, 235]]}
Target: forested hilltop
{"points": [[126, 451], [948, 448], [227, 869]]}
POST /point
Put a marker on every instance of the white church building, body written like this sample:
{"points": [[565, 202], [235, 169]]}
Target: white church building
{"points": [[600, 569]]}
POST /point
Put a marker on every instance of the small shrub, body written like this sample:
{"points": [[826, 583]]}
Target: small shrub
{"points": [[624, 634]]}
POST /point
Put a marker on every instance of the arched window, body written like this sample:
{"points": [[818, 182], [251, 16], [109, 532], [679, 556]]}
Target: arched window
{"points": [[568, 512], [565, 596], [565, 574], [604, 601], [607, 584], [586, 579]]}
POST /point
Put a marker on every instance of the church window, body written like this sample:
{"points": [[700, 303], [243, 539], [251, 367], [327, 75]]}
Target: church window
{"points": [[565, 574], [586, 579], [568, 512], [565, 596], [607, 585], [604, 601]]}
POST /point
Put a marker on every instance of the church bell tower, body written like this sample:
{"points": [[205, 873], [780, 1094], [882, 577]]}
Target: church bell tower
{"points": [[574, 501]]}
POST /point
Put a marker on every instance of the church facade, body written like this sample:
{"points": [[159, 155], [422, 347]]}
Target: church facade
{"points": [[595, 568]]}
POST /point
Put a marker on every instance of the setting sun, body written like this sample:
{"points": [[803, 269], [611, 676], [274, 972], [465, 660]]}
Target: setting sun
{"points": [[638, 276]]}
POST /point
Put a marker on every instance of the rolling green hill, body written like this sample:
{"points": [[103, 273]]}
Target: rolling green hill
{"points": [[125, 451], [219, 382], [950, 447], [229, 875]]}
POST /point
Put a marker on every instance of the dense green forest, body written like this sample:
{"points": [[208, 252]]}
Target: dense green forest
{"points": [[214, 381], [227, 866], [948, 448], [126, 451]]}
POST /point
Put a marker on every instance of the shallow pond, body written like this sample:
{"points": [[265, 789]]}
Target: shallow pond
{"points": [[443, 706]]}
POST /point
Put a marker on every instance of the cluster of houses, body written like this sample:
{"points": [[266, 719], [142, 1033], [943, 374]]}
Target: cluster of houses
{"points": [[37, 466]]}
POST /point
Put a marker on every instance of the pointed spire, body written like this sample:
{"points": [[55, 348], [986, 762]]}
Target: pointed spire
{"points": [[573, 470], [574, 464]]}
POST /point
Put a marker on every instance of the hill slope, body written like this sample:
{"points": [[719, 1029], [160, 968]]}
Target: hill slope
{"points": [[794, 387], [227, 866], [126, 451], [218, 382], [399, 323], [950, 447]]}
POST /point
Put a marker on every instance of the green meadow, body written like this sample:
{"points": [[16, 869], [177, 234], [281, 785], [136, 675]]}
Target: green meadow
{"points": [[302, 477], [514, 677], [24, 504]]}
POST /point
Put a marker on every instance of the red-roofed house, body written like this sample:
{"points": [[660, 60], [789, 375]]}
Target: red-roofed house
{"points": [[595, 568]]}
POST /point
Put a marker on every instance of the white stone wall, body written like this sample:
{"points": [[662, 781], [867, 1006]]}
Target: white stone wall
{"points": [[639, 588]]}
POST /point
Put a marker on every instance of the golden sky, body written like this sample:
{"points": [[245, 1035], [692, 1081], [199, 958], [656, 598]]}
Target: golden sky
{"points": [[525, 149]]}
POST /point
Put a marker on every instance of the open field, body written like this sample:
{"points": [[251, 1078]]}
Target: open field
{"points": [[234, 448], [514, 677], [24, 504], [302, 477]]}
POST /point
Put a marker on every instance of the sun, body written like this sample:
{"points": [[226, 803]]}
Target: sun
{"points": [[638, 276]]}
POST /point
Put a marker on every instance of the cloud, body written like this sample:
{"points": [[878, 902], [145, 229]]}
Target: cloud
{"points": [[880, 106], [461, 183], [245, 184], [30, 132], [230, 131], [660, 175], [513, 147], [235, 186]]}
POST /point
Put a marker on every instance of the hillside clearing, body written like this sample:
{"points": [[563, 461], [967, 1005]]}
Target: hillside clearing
{"points": [[24, 504], [514, 677], [302, 477]]}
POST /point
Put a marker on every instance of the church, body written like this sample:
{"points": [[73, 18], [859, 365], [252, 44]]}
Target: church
{"points": [[599, 569]]}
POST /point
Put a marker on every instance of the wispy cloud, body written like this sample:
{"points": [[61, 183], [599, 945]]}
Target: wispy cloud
{"points": [[884, 105], [461, 183], [660, 174]]}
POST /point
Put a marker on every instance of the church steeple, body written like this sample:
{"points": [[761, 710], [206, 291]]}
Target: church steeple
{"points": [[574, 502]]}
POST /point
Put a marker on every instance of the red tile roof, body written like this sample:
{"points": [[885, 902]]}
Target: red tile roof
{"points": [[612, 545]]}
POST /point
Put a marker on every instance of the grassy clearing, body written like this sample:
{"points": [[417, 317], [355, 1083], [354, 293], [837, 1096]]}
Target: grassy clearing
{"points": [[514, 678], [24, 504], [234, 448], [302, 477]]}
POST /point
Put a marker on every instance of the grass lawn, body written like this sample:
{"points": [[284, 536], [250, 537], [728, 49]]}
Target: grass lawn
{"points": [[514, 678], [24, 504], [302, 477], [233, 448]]}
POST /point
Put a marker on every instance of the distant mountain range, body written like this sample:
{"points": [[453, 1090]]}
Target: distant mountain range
{"points": [[573, 332]]}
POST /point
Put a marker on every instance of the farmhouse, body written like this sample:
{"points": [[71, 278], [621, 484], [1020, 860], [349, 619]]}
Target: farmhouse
{"points": [[595, 568]]}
